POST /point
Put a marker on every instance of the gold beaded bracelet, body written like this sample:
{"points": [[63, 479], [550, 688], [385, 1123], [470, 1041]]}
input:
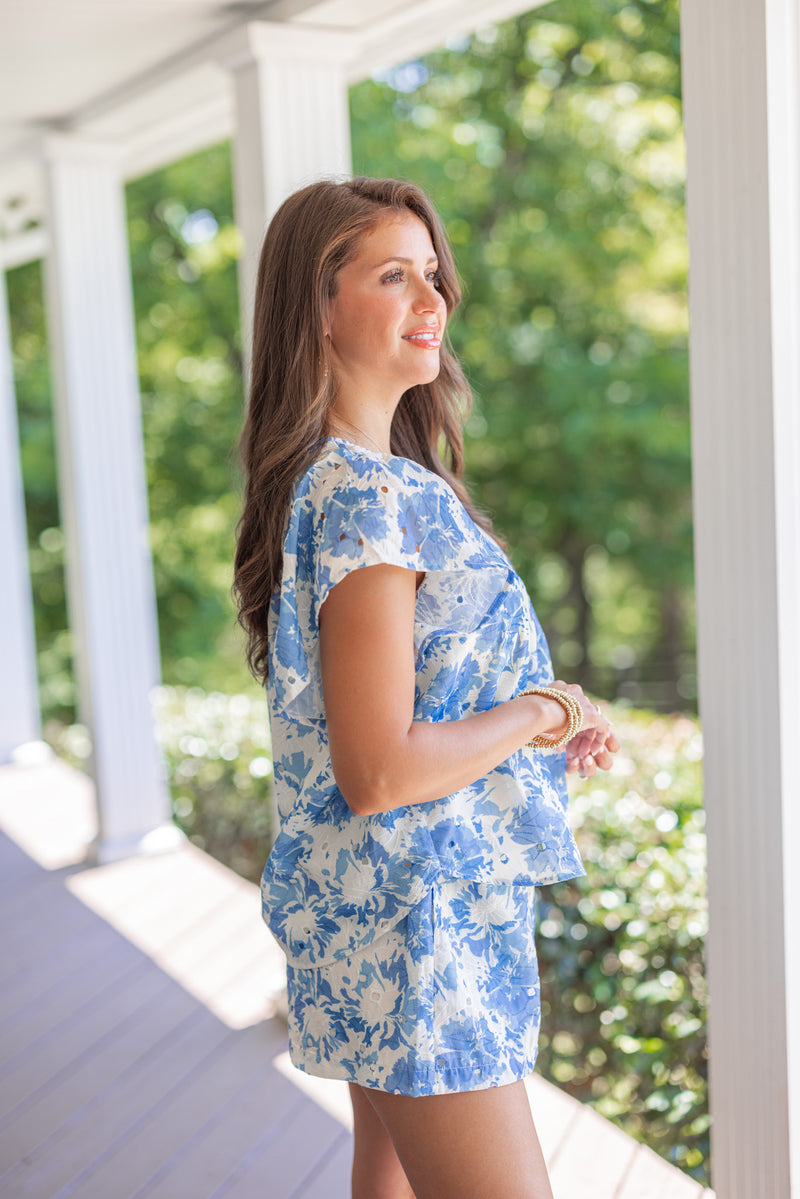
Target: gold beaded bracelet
{"points": [[573, 709]]}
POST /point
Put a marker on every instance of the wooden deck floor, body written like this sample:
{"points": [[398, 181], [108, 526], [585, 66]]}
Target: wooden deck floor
{"points": [[142, 1051]]}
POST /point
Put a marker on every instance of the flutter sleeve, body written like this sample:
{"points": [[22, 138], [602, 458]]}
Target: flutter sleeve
{"points": [[377, 517], [353, 513]]}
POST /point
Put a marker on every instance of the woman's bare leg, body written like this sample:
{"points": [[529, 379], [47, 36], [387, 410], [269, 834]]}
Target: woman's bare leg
{"points": [[377, 1173], [471, 1145]]}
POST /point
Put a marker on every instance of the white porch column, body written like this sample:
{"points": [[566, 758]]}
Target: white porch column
{"points": [[741, 64], [292, 126], [102, 490], [19, 694]]}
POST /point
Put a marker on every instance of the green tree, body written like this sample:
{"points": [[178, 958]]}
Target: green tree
{"points": [[184, 247], [45, 540], [552, 145]]}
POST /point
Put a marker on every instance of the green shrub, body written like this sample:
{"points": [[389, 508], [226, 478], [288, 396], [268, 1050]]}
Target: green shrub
{"points": [[621, 950], [219, 759]]}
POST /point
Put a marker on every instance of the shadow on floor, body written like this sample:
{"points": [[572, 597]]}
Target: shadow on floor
{"points": [[118, 1083]]}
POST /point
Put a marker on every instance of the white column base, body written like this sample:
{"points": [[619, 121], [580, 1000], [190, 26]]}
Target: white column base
{"points": [[164, 839]]}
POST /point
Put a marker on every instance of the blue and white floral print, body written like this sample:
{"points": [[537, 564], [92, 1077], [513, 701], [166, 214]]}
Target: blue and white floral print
{"points": [[448, 1000], [335, 882]]}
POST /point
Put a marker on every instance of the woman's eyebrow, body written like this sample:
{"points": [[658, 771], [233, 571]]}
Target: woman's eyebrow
{"points": [[398, 258]]}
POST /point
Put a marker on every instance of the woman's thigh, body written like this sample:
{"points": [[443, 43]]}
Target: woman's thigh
{"points": [[377, 1172], [467, 1145]]}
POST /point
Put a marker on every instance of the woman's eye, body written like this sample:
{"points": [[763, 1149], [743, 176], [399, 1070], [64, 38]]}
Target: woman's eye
{"points": [[396, 275]]}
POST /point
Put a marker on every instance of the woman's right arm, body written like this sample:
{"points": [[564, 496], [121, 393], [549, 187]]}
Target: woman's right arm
{"points": [[382, 758]]}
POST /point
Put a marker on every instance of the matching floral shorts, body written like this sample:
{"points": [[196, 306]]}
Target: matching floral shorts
{"points": [[447, 1000]]}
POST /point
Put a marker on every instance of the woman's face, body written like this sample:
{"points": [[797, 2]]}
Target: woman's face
{"points": [[386, 321]]}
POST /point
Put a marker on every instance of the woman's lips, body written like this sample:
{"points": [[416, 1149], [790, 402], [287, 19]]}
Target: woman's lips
{"points": [[426, 339]]}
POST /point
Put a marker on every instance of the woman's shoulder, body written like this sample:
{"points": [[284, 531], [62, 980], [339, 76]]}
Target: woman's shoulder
{"points": [[350, 497], [344, 466]]}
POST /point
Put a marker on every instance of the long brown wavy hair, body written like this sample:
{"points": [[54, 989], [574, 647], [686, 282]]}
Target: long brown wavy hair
{"points": [[314, 233]]}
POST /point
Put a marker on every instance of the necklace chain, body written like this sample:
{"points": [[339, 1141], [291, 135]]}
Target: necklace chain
{"points": [[343, 420]]}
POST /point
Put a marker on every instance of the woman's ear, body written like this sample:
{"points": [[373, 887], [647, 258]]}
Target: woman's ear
{"points": [[325, 317]]}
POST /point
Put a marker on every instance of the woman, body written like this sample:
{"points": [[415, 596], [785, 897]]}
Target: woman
{"points": [[412, 719]]}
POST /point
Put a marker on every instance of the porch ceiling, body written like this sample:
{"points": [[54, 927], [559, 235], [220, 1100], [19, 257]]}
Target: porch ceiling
{"points": [[144, 74]]}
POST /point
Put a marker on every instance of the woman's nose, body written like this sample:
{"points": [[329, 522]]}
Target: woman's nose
{"points": [[429, 299]]}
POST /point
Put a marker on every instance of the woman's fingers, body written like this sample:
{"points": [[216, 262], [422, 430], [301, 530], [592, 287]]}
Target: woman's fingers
{"points": [[594, 746], [603, 758], [612, 742], [590, 763], [588, 767], [587, 741], [589, 751]]}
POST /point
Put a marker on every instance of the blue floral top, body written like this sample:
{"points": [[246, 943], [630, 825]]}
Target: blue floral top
{"points": [[334, 880]]}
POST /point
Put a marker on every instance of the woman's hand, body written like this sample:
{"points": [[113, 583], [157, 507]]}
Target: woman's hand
{"points": [[594, 745]]}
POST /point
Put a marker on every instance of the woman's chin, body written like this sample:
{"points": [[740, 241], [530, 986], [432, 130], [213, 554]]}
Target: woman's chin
{"points": [[426, 375]]}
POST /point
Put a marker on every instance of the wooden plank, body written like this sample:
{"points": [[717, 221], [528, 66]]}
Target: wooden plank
{"points": [[330, 1094], [554, 1113], [46, 916], [238, 964], [49, 1003], [239, 973], [136, 1055], [592, 1159], [109, 889], [332, 1179], [58, 1048], [204, 937], [183, 905], [118, 1099], [258, 988], [48, 811], [253, 1105], [37, 979], [136, 892], [16, 868], [286, 1158], [133, 1160], [650, 1175], [59, 1054]]}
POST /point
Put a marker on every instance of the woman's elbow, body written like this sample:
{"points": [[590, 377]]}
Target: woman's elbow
{"points": [[366, 793]]}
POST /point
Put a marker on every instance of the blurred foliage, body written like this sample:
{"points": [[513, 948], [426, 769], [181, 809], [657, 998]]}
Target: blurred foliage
{"points": [[620, 950], [184, 247], [219, 760], [552, 144], [45, 539]]}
